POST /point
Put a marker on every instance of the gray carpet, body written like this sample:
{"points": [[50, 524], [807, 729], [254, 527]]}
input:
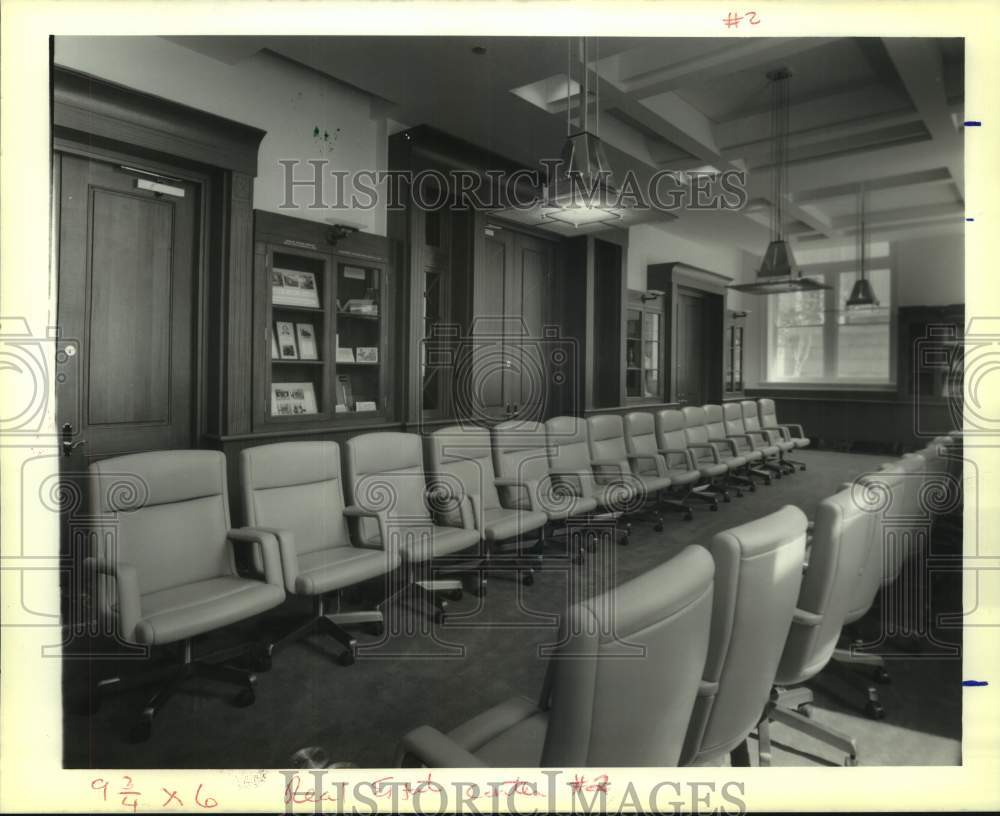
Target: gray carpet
{"points": [[488, 651]]}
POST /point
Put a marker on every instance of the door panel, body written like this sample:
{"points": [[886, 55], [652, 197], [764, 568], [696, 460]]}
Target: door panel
{"points": [[127, 262], [689, 367], [528, 383], [483, 387]]}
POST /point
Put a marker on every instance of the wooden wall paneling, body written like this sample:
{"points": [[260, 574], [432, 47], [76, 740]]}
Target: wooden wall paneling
{"points": [[239, 275]]}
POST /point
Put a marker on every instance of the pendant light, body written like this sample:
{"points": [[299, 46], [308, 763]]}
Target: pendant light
{"points": [[778, 271], [584, 171], [862, 294]]}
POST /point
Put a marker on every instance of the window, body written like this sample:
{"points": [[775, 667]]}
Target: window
{"points": [[813, 338]]}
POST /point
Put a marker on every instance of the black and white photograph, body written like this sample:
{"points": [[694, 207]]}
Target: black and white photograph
{"points": [[655, 471]]}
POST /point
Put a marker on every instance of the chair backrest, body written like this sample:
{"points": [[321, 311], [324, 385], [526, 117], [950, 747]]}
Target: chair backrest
{"points": [[569, 451], [733, 414], [695, 425], [758, 572], [623, 680], [714, 421], [670, 433], [384, 471], [751, 418], [640, 438], [520, 452], [875, 493], [607, 441], [296, 486], [837, 559], [170, 514], [768, 413], [460, 461]]}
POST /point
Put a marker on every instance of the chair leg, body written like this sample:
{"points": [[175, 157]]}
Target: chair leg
{"points": [[823, 733], [739, 757], [764, 743]]}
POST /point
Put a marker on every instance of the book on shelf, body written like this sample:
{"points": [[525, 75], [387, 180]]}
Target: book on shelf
{"points": [[293, 287], [306, 335], [292, 399], [362, 306], [365, 405]]}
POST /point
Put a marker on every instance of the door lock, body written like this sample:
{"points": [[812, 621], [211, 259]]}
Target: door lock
{"points": [[68, 445]]}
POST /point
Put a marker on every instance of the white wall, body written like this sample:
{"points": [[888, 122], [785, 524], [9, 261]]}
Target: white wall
{"points": [[287, 100], [651, 244], [930, 271]]}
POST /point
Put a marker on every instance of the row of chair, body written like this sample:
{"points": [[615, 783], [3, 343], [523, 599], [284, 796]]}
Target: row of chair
{"points": [[170, 570], [728, 635]]}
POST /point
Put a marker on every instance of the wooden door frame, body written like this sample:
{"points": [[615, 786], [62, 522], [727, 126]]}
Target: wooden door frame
{"points": [[106, 121]]}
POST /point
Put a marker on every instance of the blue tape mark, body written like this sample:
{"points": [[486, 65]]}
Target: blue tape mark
{"points": [[972, 123], [970, 219], [975, 683]]}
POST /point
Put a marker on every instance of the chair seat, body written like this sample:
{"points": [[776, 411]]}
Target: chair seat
{"points": [[192, 609], [558, 508], [753, 455], [734, 461], [682, 476], [712, 470], [500, 523], [653, 483], [614, 496], [785, 445], [431, 541], [769, 450], [800, 443], [337, 567], [509, 735]]}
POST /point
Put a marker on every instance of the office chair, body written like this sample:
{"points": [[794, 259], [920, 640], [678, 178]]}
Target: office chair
{"points": [[837, 558], [758, 571], [641, 441], [618, 691], [612, 462], [388, 496], [769, 422], [716, 467], [461, 457], [294, 490], [741, 474], [749, 442], [881, 495], [164, 567], [751, 421], [521, 460], [681, 461], [569, 462]]}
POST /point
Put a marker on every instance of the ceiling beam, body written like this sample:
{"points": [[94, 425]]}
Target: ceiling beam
{"points": [[918, 63]]}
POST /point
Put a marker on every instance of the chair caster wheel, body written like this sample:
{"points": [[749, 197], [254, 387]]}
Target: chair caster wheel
{"points": [[624, 540], [658, 528], [850, 761], [714, 507], [802, 468], [376, 628], [455, 595], [806, 710], [346, 658], [260, 660], [246, 697], [528, 579], [874, 710], [880, 675], [141, 731], [727, 499], [688, 517]]}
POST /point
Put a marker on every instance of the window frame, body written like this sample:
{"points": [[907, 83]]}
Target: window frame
{"points": [[830, 274]]}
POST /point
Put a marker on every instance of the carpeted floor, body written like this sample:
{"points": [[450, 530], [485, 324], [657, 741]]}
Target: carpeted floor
{"points": [[488, 651]]}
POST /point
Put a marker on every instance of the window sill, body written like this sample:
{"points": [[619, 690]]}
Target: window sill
{"points": [[815, 386]]}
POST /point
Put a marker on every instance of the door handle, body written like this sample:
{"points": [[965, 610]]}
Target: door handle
{"points": [[68, 445]]}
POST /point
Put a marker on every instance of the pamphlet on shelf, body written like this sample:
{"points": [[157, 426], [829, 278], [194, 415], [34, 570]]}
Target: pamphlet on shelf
{"points": [[345, 355], [364, 405]]}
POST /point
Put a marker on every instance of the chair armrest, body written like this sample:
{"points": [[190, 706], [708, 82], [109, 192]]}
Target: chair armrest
{"points": [[761, 433], [707, 446], [796, 427], [745, 437], [679, 452], [636, 456], [707, 688], [531, 488], [435, 750], [732, 445], [615, 463], [126, 590], [781, 429], [266, 543], [475, 506], [806, 618], [353, 511]]}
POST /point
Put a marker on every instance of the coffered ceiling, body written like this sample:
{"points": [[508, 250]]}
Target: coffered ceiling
{"points": [[884, 111]]}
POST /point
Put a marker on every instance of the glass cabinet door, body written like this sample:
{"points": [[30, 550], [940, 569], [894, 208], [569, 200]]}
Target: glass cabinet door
{"points": [[358, 343], [633, 353], [651, 354]]}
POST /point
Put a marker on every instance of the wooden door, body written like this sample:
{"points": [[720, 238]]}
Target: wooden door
{"points": [[482, 388], [127, 307], [690, 355], [526, 382]]}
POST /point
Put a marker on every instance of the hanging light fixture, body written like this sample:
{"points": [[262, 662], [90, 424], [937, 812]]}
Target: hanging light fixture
{"points": [[580, 194], [862, 294], [778, 272]]}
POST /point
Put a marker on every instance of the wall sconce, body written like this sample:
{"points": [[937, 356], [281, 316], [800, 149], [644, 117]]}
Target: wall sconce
{"points": [[338, 232]]}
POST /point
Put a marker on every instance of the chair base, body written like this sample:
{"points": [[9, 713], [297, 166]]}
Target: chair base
{"points": [[169, 684], [844, 657], [792, 707], [329, 623]]}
